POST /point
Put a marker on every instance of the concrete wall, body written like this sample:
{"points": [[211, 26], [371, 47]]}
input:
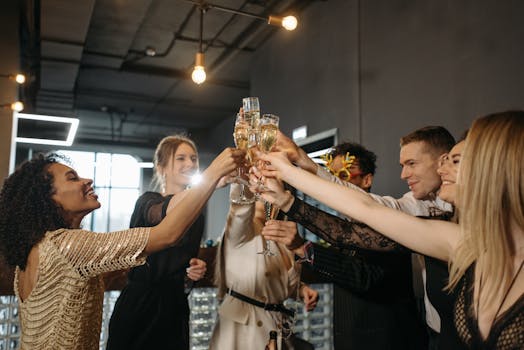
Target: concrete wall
{"points": [[378, 69]]}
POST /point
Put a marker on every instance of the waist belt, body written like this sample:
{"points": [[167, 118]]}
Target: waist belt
{"points": [[268, 307]]}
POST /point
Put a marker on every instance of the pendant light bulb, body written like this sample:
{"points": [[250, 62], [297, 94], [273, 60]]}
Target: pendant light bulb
{"points": [[289, 23], [20, 78], [199, 73], [17, 106]]}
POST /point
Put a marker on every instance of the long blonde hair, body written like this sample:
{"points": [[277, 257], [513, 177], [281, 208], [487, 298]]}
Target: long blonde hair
{"points": [[491, 198]]}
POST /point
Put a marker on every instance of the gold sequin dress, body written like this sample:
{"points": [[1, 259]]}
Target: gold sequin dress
{"points": [[64, 309]]}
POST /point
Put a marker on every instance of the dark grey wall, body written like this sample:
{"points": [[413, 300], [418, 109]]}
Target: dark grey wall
{"points": [[379, 69]]}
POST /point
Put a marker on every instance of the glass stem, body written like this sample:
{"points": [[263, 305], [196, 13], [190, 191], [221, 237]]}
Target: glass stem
{"points": [[240, 171], [268, 206]]}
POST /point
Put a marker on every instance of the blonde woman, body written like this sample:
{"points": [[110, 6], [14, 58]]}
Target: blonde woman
{"points": [[152, 311], [485, 251]]}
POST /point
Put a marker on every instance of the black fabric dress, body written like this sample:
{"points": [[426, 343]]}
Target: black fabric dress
{"points": [[152, 311], [507, 330]]}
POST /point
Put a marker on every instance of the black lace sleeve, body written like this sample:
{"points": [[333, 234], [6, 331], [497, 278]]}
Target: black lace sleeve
{"points": [[340, 232], [150, 209]]}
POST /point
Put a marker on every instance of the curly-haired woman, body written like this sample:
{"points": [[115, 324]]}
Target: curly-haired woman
{"points": [[59, 267]]}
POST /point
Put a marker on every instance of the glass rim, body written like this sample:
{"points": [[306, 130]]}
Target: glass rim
{"points": [[269, 116], [250, 104]]}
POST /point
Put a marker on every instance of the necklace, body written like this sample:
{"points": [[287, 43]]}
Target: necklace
{"points": [[505, 294]]}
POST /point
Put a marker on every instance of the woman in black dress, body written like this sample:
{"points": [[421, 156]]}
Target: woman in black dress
{"points": [[152, 311]]}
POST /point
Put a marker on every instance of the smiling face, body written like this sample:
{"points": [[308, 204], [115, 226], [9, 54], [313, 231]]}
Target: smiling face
{"points": [[180, 169], [74, 195], [448, 171], [419, 169]]}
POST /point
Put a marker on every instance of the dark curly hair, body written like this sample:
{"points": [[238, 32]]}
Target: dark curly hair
{"points": [[367, 160], [27, 211]]}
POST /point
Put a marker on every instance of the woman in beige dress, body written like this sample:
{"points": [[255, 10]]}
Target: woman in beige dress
{"points": [[59, 266], [267, 279]]}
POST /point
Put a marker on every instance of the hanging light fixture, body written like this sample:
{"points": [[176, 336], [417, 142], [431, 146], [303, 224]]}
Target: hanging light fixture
{"points": [[18, 78], [15, 106], [199, 72], [289, 22]]}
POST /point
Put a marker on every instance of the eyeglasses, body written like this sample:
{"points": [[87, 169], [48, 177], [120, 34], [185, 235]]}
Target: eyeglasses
{"points": [[343, 173]]}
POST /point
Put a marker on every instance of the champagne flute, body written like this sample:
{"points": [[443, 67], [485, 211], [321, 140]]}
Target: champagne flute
{"points": [[268, 132], [241, 137], [251, 110], [268, 138]]}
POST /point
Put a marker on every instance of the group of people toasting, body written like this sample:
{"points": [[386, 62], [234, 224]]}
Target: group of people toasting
{"points": [[464, 214]]}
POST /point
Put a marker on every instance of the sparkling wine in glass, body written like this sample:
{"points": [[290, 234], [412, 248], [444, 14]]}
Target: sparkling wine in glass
{"points": [[251, 110], [268, 132], [267, 139], [241, 137]]}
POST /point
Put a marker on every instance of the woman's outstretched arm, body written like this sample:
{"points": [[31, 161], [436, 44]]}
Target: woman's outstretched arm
{"points": [[433, 238], [188, 206]]}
